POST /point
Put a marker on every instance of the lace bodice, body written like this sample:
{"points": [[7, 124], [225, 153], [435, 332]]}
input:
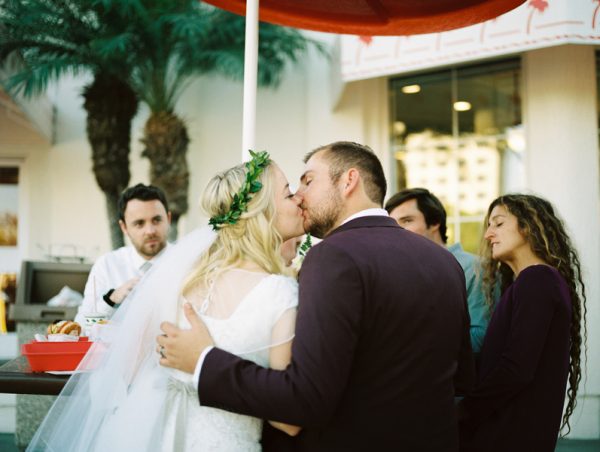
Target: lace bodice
{"points": [[247, 332]]}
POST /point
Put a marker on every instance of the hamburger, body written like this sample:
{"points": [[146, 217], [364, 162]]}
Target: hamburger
{"points": [[64, 327]]}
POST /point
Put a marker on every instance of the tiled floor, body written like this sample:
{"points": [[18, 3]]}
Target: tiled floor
{"points": [[7, 444], [565, 445]]}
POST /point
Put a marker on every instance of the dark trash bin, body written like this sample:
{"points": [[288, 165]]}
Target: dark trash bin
{"points": [[40, 281]]}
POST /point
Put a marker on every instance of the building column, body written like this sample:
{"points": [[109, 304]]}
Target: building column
{"points": [[562, 165]]}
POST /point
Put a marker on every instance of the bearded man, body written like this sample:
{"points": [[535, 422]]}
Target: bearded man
{"points": [[144, 218], [382, 335]]}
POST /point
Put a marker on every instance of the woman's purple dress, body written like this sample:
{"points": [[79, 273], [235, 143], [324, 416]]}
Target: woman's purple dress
{"points": [[517, 403]]}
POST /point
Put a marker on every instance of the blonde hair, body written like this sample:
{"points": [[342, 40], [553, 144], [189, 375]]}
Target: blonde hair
{"points": [[253, 238]]}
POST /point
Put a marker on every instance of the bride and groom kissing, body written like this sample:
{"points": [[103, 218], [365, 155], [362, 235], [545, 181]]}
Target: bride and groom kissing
{"points": [[367, 351]]}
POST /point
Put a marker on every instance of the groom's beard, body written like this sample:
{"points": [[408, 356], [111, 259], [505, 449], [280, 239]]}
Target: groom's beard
{"points": [[322, 218]]}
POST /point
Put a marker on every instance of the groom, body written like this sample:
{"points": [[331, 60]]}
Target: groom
{"points": [[382, 336]]}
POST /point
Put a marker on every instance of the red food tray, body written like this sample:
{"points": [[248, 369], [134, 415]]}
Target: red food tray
{"points": [[44, 356]]}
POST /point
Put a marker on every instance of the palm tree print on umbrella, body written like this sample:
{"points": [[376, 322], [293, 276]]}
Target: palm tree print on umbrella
{"points": [[595, 13], [536, 5]]}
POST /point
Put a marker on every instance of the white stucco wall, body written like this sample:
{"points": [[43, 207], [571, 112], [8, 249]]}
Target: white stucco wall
{"points": [[562, 158]]}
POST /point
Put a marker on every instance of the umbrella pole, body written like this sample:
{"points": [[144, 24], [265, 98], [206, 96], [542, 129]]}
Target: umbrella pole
{"points": [[250, 79]]}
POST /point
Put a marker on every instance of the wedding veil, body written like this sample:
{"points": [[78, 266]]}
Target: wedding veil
{"points": [[107, 373]]}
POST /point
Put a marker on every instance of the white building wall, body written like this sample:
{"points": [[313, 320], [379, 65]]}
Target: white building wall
{"points": [[561, 120]]}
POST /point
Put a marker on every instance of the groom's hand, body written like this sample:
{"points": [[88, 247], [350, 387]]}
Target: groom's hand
{"points": [[181, 349]]}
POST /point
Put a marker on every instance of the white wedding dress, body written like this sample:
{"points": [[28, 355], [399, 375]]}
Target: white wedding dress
{"points": [[124, 401], [247, 332]]}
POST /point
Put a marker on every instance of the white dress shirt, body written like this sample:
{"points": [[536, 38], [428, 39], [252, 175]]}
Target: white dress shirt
{"points": [[110, 271], [374, 212]]}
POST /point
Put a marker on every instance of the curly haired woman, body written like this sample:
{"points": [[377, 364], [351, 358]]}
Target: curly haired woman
{"points": [[533, 344]]}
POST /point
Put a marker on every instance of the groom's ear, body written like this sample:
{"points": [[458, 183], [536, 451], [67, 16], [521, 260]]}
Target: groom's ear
{"points": [[350, 181]]}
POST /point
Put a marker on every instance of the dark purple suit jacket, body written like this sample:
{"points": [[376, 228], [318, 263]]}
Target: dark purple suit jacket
{"points": [[382, 341]]}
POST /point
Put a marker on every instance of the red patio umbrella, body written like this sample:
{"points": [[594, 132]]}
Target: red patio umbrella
{"points": [[359, 17], [375, 17]]}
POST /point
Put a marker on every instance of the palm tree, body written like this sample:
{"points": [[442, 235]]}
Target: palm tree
{"points": [[60, 37], [136, 49], [182, 39]]}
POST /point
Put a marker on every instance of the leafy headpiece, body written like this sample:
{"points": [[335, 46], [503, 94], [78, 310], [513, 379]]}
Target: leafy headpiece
{"points": [[239, 205]]}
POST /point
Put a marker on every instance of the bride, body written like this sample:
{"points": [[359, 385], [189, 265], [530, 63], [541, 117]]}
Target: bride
{"points": [[120, 399]]}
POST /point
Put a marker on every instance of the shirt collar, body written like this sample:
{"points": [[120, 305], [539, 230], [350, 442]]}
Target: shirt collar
{"points": [[138, 260], [366, 213], [455, 247]]}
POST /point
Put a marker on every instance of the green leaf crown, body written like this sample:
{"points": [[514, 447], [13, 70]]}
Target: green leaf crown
{"points": [[239, 205]]}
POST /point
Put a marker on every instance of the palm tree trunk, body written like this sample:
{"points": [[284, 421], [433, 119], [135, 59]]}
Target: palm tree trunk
{"points": [[166, 141], [116, 235], [110, 105]]}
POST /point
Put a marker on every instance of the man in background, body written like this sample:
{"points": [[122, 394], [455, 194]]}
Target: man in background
{"points": [[420, 211], [144, 217]]}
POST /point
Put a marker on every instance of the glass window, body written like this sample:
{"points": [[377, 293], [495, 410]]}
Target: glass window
{"points": [[9, 205], [598, 89], [458, 133], [9, 257]]}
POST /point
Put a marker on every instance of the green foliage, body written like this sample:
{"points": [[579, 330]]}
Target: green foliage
{"points": [[239, 205], [61, 37], [190, 38], [154, 45], [305, 246], [223, 48]]}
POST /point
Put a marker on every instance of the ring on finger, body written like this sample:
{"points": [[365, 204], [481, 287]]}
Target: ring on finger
{"points": [[161, 351]]}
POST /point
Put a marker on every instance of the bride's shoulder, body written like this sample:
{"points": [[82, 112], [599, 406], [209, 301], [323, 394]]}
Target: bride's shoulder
{"points": [[284, 282], [282, 290]]}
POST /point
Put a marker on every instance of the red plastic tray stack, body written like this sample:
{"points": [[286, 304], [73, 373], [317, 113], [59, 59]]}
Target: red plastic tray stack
{"points": [[55, 356]]}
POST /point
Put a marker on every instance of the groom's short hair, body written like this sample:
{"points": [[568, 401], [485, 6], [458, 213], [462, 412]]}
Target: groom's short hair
{"points": [[343, 155]]}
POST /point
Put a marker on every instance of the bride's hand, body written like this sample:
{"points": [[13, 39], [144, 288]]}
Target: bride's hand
{"points": [[181, 349]]}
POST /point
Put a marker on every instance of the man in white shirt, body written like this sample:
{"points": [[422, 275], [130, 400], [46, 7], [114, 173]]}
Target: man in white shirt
{"points": [[144, 217]]}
